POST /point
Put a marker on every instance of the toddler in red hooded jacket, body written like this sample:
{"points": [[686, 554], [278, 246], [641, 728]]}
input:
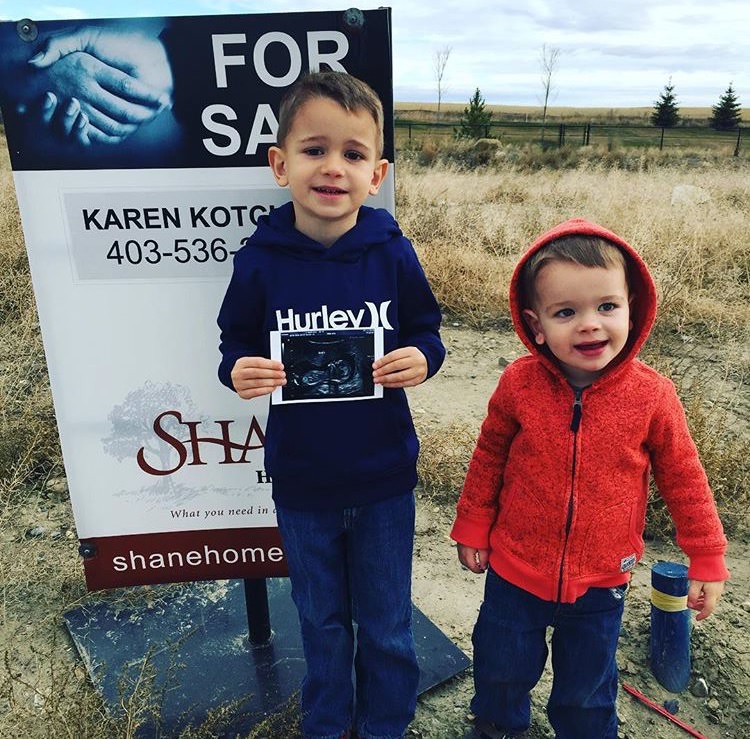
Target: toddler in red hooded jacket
{"points": [[553, 505]]}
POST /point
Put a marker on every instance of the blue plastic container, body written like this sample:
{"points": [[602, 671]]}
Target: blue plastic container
{"points": [[670, 626]]}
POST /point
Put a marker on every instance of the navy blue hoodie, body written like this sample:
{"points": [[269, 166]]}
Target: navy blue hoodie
{"points": [[326, 455]]}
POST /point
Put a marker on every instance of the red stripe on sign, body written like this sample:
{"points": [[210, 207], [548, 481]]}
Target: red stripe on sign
{"points": [[182, 556]]}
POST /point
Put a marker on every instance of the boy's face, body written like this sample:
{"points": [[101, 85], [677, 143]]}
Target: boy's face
{"points": [[330, 163], [583, 315]]}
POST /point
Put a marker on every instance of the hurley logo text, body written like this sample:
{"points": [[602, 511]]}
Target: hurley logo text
{"points": [[371, 316]]}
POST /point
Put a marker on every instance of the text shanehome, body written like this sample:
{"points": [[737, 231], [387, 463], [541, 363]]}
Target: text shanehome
{"points": [[196, 558]]}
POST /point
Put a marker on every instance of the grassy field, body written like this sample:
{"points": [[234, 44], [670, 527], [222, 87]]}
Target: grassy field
{"points": [[469, 218]]}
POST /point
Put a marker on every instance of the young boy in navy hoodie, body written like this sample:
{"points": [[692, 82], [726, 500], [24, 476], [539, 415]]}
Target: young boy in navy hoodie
{"points": [[554, 502], [343, 471]]}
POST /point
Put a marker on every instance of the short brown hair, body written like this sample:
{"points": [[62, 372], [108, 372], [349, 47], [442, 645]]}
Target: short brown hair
{"points": [[349, 92], [588, 251]]}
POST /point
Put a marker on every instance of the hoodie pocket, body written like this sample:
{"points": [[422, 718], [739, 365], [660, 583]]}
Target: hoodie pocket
{"points": [[611, 542], [347, 441]]}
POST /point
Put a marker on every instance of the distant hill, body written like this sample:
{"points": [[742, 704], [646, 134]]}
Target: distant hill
{"points": [[452, 112]]}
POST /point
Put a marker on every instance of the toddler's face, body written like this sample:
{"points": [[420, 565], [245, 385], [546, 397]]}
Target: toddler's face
{"points": [[583, 315]]}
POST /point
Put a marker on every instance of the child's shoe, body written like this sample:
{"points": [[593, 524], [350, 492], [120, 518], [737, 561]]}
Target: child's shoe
{"points": [[488, 730]]}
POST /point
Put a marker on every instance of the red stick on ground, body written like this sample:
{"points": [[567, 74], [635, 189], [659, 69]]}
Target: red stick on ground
{"points": [[663, 711]]}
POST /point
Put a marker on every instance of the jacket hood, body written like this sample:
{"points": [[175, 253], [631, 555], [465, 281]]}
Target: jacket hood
{"points": [[642, 289], [276, 231]]}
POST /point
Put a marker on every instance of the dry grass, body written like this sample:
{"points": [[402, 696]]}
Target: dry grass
{"points": [[469, 226], [29, 447], [443, 458]]}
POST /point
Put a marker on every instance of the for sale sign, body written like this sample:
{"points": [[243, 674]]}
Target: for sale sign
{"points": [[139, 150]]}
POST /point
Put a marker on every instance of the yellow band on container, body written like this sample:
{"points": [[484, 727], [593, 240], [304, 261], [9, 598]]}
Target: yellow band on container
{"points": [[668, 603]]}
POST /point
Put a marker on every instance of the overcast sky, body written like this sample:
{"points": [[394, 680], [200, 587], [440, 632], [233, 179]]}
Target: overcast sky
{"points": [[612, 54]]}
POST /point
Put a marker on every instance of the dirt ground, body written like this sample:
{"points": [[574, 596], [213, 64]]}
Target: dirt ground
{"points": [[451, 597]]}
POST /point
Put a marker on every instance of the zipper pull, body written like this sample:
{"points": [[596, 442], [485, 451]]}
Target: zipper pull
{"points": [[577, 410]]}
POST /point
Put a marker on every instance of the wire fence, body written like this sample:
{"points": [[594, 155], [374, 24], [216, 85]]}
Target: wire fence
{"points": [[412, 133]]}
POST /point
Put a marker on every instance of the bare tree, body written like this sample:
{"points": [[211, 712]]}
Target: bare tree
{"points": [[441, 59], [549, 59]]}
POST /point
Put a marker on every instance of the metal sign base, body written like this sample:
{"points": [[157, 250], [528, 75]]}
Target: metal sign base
{"points": [[179, 655]]}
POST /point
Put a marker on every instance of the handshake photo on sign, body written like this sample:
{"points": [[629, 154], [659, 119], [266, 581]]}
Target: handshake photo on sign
{"points": [[98, 85]]}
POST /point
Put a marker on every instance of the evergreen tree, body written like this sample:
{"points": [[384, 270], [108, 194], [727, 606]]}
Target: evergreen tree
{"points": [[475, 119], [727, 113], [666, 111]]}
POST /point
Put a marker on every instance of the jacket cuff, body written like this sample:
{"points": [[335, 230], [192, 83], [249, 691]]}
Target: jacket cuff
{"points": [[471, 533], [434, 354], [708, 568]]}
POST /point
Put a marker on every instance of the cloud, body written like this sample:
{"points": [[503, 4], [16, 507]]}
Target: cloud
{"points": [[612, 54], [60, 12]]}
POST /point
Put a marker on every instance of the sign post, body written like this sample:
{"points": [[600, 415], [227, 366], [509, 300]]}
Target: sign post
{"points": [[258, 617]]}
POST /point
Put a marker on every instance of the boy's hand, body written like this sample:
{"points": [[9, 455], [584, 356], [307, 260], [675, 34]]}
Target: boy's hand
{"points": [[256, 376], [703, 597], [475, 559], [404, 367]]}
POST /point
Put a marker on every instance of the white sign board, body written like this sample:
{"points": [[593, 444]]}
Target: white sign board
{"points": [[130, 243]]}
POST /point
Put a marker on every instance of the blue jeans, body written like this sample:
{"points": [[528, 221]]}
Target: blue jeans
{"points": [[345, 566], [510, 652]]}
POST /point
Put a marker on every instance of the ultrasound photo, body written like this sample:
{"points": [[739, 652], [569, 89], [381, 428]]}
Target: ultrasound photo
{"points": [[327, 365]]}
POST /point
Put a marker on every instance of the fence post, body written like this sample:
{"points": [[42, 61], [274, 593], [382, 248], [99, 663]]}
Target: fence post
{"points": [[561, 135], [661, 140], [737, 145], [670, 625]]}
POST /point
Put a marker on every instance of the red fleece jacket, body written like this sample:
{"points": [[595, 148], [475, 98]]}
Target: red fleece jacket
{"points": [[561, 504]]}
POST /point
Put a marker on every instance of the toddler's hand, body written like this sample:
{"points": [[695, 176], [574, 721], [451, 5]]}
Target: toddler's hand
{"points": [[703, 597], [404, 367], [256, 376], [476, 560]]}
